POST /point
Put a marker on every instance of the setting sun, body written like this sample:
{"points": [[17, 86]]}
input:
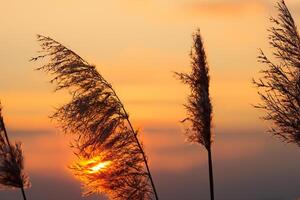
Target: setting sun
{"points": [[100, 166], [94, 165]]}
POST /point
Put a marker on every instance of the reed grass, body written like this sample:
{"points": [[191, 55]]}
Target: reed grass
{"points": [[279, 85], [101, 125], [198, 106], [11, 162]]}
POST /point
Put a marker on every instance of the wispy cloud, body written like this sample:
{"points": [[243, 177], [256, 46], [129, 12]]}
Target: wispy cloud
{"points": [[226, 8], [165, 143]]}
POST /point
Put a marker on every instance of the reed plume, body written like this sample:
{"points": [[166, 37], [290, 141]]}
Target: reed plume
{"points": [[11, 162], [111, 157], [198, 106], [279, 86]]}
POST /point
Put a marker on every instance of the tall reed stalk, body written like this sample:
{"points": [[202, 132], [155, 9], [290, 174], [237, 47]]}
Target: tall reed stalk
{"points": [[111, 157], [279, 86], [11, 162], [198, 106]]}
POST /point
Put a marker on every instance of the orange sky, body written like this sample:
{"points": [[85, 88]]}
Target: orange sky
{"points": [[136, 45]]}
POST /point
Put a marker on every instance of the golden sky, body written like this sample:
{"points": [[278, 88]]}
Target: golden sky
{"points": [[136, 45]]}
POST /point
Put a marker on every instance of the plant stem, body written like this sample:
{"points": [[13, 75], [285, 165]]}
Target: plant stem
{"points": [[23, 193], [139, 145], [8, 142], [145, 160], [211, 178]]}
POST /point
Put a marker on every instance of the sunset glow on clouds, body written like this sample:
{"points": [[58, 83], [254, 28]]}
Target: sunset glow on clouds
{"points": [[227, 8]]}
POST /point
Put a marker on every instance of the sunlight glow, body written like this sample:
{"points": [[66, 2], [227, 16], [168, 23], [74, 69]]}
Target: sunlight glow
{"points": [[100, 166], [95, 165]]}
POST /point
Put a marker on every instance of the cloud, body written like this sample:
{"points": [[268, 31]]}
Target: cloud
{"points": [[168, 151], [226, 8], [25, 133]]}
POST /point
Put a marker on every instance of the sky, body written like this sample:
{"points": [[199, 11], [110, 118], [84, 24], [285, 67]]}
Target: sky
{"points": [[137, 45]]}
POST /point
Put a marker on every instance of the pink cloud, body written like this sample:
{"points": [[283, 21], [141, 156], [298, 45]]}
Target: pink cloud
{"points": [[226, 8]]}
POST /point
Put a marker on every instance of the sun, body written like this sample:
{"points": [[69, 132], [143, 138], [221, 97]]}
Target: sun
{"points": [[95, 165], [99, 167]]}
